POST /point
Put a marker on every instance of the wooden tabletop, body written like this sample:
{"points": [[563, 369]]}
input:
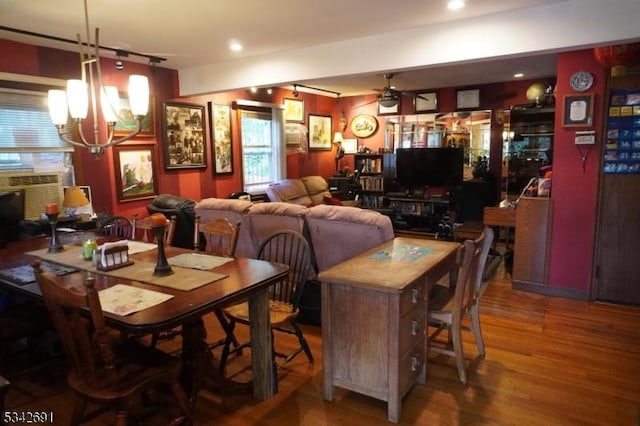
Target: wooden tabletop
{"points": [[393, 265]]}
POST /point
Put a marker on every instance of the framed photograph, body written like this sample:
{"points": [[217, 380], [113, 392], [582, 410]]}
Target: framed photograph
{"points": [[183, 134], [425, 102], [394, 110], [577, 110], [220, 121], [320, 132], [135, 170], [127, 121], [293, 134], [468, 99], [363, 125], [350, 146], [294, 110]]}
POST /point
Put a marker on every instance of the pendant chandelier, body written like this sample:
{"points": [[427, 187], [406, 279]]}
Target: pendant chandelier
{"points": [[84, 90]]}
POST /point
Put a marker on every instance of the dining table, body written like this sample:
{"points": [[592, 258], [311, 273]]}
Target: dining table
{"points": [[191, 292]]}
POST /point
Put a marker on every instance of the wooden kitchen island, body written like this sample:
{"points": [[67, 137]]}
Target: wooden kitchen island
{"points": [[374, 310]]}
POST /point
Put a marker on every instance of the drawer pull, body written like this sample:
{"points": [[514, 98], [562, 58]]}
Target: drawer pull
{"points": [[414, 327], [415, 295], [415, 363]]}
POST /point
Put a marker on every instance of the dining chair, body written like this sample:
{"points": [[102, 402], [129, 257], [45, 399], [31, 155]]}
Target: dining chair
{"points": [[448, 306], [115, 226], [218, 237], [290, 248], [142, 229], [104, 369]]}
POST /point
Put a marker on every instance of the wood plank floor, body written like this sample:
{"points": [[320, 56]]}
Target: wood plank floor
{"points": [[550, 361]]}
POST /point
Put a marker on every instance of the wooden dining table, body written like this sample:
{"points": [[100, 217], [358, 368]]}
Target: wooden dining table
{"points": [[242, 279]]}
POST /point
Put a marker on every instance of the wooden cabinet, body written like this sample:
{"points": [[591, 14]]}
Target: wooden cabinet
{"points": [[531, 251], [374, 318]]}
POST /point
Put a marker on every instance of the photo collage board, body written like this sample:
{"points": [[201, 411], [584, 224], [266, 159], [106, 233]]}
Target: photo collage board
{"points": [[622, 146]]}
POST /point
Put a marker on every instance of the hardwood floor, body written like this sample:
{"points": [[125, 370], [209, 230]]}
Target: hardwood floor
{"points": [[550, 361]]}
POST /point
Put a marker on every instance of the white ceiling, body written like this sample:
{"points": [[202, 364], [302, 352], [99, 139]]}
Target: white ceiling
{"points": [[192, 34]]}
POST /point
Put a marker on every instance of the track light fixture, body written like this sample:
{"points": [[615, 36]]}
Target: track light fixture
{"points": [[295, 91]]}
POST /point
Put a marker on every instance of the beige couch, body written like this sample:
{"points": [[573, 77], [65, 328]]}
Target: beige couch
{"points": [[306, 191], [336, 233]]}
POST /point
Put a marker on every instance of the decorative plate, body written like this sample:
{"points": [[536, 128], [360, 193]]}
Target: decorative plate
{"points": [[364, 125], [581, 81]]}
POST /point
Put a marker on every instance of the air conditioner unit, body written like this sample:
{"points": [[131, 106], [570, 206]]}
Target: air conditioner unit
{"points": [[39, 189]]}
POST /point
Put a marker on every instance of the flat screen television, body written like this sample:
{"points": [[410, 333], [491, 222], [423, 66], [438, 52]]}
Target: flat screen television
{"points": [[419, 167]]}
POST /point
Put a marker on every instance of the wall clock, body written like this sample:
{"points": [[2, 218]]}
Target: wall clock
{"points": [[468, 98], [427, 101], [364, 125]]}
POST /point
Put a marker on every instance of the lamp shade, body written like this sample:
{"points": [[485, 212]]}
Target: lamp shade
{"points": [[74, 197], [109, 102], [139, 94], [78, 98], [58, 106], [337, 137]]}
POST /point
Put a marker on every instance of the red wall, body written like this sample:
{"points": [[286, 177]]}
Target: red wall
{"points": [[575, 191]]}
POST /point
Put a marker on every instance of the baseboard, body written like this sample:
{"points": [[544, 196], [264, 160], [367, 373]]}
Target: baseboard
{"points": [[549, 290]]}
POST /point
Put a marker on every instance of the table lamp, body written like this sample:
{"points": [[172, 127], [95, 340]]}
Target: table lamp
{"points": [[74, 198], [337, 140]]}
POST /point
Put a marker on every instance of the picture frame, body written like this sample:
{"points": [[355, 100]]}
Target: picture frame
{"points": [[394, 110], [220, 122], [183, 136], [294, 110], [363, 125], [126, 120], [468, 99], [293, 134], [135, 171], [320, 132], [578, 110], [350, 146], [425, 102]]}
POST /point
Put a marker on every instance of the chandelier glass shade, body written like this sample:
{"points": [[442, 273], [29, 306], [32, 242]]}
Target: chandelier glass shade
{"points": [[82, 95]]}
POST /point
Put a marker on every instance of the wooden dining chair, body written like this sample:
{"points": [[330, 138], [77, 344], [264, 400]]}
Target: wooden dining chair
{"points": [[448, 306], [104, 370], [218, 237], [290, 248], [142, 229], [115, 226]]}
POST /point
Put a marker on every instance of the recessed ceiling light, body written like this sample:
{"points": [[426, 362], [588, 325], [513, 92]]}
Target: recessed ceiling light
{"points": [[518, 75], [235, 46], [455, 4]]}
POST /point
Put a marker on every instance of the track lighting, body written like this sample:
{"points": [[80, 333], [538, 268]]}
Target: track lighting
{"points": [[295, 91]]}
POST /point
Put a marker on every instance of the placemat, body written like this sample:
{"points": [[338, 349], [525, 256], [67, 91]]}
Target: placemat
{"points": [[24, 274], [122, 299], [185, 279], [198, 261]]}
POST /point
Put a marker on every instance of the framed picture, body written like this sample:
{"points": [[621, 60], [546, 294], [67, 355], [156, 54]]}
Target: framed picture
{"points": [[183, 133], [220, 121], [578, 110], [425, 102], [320, 132], [350, 146], [293, 134], [468, 99], [135, 170], [363, 125], [394, 110], [294, 110], [127, 121]]}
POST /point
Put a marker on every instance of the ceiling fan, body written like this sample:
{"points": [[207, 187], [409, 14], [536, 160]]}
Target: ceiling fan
{"points": [[390, 97]]}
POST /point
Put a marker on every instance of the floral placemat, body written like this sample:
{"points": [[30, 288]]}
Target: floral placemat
{"points": [[122, 299]]}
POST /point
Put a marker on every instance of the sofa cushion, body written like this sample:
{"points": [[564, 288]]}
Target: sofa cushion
{"points": [[236, 211], [317, 188], [289, 191], [234, 205], [339, 233]]}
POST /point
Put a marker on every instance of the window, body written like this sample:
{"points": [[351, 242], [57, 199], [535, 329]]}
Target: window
{"points": [[263, 155], [28, 138]]}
